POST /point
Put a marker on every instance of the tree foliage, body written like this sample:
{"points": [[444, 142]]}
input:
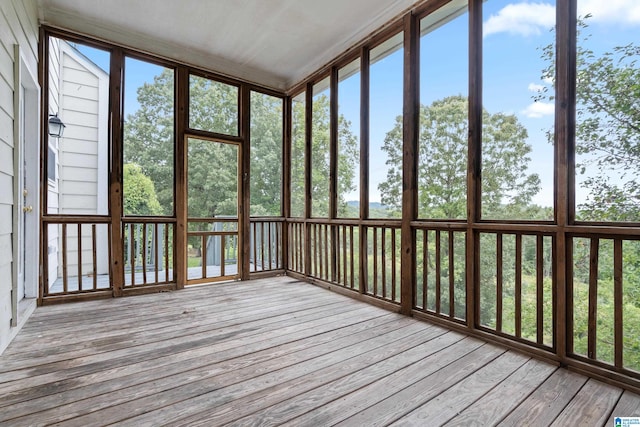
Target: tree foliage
{"points": [[607, 128], [348, 152], [507, 187], [139, 193]]}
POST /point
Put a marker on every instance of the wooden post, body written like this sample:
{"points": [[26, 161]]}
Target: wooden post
{"points": [[308, 119], [180, 231], [43, 76], [115, 177], [286, 178], [565, 120], [474, 190], [364, 169], [411, 134], [244, 220], [333, 170]]}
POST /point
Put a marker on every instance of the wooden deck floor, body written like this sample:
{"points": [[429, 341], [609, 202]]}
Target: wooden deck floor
{"points": [[277, 351]]}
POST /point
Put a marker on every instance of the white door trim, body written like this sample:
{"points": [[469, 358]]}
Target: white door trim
{"points": [[26, 131]]}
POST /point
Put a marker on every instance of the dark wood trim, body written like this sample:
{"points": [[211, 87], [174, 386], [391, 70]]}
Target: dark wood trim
{"points": [[213, 136], [149, 289], [180, 177], [116, 100], [43, 80], [378, 302], [364, 166], [411, 135], [618, 313], [308, 127], [333, 169], [564, 161], [474, 160], [287, 121], [76, 297], [244, 196]]}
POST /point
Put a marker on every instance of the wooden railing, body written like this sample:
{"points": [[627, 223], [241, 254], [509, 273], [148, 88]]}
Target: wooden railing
{"points": [[216, 239], [266, 244], [383, 261], [148, 248], [515, 297], [296, 243], [440, 273], [602, 317], [517, 286], [77, 256]]}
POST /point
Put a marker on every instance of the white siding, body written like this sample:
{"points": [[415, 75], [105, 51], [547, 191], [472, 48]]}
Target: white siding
{"points": [[18, 25]]}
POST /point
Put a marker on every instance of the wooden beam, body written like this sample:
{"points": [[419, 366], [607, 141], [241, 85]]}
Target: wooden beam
{"points": [[474, 160], [180, 231], [116, 100], [364, 167], [411, 134], [308, 126], [333, 169], [43, 241], [244, 195], [564, 161], [286, 177]]}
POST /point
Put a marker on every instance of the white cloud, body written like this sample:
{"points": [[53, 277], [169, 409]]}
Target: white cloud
{"points": [[548, 80], [535, 88], [611, 11], [523, 19], [537, 110]]}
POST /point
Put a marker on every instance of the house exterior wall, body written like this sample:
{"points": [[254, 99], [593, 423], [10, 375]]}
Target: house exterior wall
{"points": [[18, 25], [79, 95]]}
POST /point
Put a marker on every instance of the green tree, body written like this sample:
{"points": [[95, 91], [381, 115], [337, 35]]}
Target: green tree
{"points": [[139, 192], [607, 127], [348, 152], [266, 154], [507, 187], [149, 135]]}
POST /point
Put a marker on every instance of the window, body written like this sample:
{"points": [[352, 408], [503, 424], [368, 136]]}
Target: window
{"points": [[266, 155], [442, 149], [298, 127], [385, 128], [213, 106], [348, 140], [320, 142], [148, 152], [518, 114]]}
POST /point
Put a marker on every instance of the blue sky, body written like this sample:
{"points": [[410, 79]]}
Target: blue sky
{"points": [[514, 32]]}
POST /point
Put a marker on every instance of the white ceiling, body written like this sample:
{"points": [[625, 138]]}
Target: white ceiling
{"points": [[275, 43]]}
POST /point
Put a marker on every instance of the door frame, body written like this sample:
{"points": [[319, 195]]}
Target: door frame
{"points": [[26, 133], [185, 196]]}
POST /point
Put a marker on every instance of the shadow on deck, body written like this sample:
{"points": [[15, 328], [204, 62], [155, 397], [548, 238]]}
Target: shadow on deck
{"points": [[278, 351]]}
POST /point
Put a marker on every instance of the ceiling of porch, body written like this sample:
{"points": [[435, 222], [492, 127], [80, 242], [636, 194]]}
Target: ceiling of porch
{"points": [[274, 43]]}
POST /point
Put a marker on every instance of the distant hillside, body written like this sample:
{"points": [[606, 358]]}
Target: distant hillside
{"points": [[372, 205]]}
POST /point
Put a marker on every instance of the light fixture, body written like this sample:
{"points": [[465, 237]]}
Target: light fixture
{"points": [[56, 127]]}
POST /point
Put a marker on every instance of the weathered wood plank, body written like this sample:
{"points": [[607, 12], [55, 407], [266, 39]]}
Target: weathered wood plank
{"points": [[500, 401], [275, 351], [544, 405], [592, 405], [627, 406], [94, 363], [294, 394], [268, 346], [430, 387], [211, 384], [452, 401]]}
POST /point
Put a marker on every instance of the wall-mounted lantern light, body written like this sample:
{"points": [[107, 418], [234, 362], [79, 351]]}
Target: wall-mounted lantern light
{"points": [[56, 127]]}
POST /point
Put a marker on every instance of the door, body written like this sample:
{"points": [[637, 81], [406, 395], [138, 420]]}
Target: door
{"points": [[212, 210]]}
